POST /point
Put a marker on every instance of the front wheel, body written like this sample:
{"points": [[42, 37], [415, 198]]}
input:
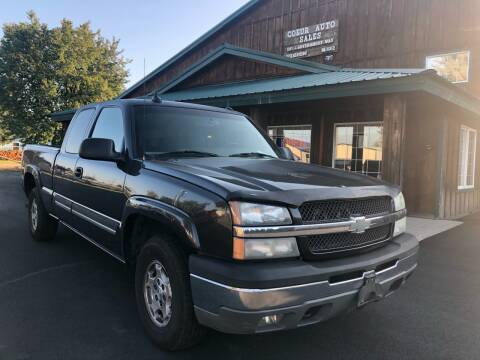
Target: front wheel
{"points": [[164, 300], [42, 226]]}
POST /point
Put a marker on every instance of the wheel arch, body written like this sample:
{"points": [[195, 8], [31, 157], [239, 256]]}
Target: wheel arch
{"points": [[31, 179], [144, 216]]}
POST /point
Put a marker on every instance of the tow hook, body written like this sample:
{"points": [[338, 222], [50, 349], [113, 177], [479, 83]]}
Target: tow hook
{"points": [[370, 291]]}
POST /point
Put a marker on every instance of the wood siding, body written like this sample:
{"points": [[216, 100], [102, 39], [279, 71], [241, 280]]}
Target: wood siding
{"points": [[372, 33], [420, 156], [457, 203], [232, 69]]}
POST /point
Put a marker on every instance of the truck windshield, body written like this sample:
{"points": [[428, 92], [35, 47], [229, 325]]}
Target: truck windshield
{"points": [[177, 132]]}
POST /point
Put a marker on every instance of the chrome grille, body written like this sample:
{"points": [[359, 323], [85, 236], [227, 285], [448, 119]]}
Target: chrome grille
{"points": [[324, 211], [314, 245]]}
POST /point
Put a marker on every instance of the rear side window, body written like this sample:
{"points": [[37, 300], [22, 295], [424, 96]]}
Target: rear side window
{"points": [[77, 131], [109, 125]]}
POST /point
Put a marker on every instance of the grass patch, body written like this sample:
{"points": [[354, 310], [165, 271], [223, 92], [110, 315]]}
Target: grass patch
{"points": [[9, 165]]}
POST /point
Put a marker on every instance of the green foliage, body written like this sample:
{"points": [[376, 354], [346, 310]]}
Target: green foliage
{"points": [[45, 70], [4, 136]]}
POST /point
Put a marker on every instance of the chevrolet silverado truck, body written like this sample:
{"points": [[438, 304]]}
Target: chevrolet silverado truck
{"points": [[222, 228]]}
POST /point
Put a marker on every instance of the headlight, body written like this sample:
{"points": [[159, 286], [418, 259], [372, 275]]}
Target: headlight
{"points": [[249, 214], [400, 225], [399, 202], [250, 249]]}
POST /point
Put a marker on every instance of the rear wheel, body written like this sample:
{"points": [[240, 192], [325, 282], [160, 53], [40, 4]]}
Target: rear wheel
{"points": [[164, 299], [42, 226]]}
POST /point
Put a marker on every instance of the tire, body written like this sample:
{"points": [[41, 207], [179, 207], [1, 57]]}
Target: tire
{"points": [[42, 226], [178, 328]]}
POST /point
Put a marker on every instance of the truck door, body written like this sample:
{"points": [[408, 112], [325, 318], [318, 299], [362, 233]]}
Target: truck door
{"points": [[63, 175], [99, 199]]}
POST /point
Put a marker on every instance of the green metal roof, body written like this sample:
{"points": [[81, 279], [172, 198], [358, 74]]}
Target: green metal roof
{"points": [[282, 84], [334, 84], [249, 5]]}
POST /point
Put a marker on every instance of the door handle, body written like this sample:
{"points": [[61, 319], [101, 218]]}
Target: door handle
{"points": [[78, 172]]}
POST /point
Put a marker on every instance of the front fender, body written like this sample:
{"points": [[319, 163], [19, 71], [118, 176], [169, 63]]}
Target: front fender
{"points": [[175, 219]]}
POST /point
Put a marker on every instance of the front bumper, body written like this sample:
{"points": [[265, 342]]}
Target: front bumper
{"points": [[235, 297]]}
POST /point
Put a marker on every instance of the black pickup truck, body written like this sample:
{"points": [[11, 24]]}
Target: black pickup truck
{"points": [[222, 228]]}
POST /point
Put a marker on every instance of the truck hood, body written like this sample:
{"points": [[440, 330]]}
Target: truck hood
{"points": [[272, 180]]}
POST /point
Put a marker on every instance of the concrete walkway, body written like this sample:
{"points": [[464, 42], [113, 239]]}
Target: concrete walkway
{"points": [[425, 228]]}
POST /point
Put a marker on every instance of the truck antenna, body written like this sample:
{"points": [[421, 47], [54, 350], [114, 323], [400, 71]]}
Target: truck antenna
{"points": [[156, 98], [144, 84]]}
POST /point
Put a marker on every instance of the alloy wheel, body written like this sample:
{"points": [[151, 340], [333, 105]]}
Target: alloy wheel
{"points": [[158, 294]]}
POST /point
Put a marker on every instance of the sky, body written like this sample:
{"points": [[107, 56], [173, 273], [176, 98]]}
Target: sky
{"points": [[154, 30]]}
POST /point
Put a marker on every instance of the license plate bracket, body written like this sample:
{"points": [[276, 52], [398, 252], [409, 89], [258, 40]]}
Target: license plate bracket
{"points": [[370, 291]]}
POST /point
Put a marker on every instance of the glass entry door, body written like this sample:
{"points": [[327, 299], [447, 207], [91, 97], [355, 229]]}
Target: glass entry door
{"points": [[358, 147]]}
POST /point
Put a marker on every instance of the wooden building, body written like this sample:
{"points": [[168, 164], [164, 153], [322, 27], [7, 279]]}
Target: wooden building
{"points": [[346, 83]]}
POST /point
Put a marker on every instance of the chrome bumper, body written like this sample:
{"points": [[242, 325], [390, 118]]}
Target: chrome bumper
{"points": [[235, 309]]}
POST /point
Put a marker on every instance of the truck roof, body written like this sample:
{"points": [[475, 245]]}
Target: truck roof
{"points": [[67, 115]]}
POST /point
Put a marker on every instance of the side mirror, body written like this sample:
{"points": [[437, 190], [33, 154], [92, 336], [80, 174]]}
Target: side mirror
{"points": [[99, 149], [286, 153]]}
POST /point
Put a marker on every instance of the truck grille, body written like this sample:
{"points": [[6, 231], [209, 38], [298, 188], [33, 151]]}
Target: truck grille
{"points": [[323, 211], [331, 211], [315, 245]]}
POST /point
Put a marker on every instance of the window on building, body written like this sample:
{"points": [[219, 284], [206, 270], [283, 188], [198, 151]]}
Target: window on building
{"points": [[466, 165], [454, 66], [295, 137], [109, 125], [358, 148]]}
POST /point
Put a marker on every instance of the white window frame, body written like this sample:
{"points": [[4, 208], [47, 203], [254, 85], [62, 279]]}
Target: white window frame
{"points": [[463, 160], [367, 123], [452, 53]]}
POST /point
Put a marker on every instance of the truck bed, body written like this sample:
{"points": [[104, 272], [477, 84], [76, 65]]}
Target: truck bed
{"points": [[41, 157]]}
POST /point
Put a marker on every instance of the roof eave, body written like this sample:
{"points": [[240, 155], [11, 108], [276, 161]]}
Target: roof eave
{"points": [[424, 82]]}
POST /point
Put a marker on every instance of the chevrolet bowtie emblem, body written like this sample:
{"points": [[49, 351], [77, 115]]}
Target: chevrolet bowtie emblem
{"points": [[359, 225]]}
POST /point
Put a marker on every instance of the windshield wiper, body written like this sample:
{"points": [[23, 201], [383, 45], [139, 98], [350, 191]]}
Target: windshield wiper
{"points": [[252, 154], [180, 153]]}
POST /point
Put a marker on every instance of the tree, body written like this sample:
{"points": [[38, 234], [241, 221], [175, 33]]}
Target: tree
{"points": [[45, 70]]}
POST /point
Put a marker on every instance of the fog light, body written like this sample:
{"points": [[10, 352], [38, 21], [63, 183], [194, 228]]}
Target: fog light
{"points": [[271, 248], [270, 320]]}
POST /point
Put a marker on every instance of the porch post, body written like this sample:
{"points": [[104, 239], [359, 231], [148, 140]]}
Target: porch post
{"points": [[259, 117], [394, 119], [441, 172]]}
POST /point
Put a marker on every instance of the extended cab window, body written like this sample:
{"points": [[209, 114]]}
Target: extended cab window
{"points": [[77, 131], [109, 125]]}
